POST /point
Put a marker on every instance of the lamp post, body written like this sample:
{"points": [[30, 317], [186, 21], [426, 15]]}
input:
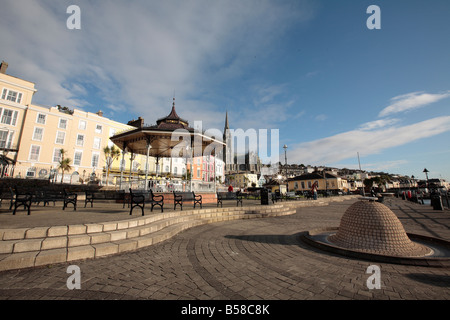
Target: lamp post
{"points": [[426, 175], [132, 157], [285, 167]]}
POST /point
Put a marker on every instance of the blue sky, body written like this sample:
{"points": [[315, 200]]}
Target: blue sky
{"points": [[311, 69]]}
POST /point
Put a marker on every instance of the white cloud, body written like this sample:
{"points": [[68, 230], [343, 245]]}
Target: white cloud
{"points": [[137, 54], [321, 117], [375, 166], [346, 145], [378, 124], [412, 101]]}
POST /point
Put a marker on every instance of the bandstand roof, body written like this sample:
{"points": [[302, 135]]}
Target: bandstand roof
{"points": [[163, 137]]}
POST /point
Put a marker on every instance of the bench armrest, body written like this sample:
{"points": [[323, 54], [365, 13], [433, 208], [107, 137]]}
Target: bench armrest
{"points": [[198, 197], [157, 196], [177, 196]]}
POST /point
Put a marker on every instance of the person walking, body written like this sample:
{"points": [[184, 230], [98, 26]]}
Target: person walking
{"points": [[314, 190]]}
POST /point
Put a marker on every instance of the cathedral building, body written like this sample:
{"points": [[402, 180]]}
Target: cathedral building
{"points": [[234, 162]]}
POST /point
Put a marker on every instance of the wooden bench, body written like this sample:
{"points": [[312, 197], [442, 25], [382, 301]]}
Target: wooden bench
{"points": [[138, 199], [180, 197], [6, 193], [223, 196], [70, 197], [109, 195], [21, 198], [156, 200], [48, 195], [276, 196], [291, 195]]}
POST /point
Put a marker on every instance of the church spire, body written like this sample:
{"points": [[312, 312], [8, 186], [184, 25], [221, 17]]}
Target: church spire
{"points": [[226, 121]]}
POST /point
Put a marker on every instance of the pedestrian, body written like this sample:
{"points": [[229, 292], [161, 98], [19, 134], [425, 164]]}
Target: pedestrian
{"points": [[314, 190]]}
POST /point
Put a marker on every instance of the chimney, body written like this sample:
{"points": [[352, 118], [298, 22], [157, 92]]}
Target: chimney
{"points": [[3, 67], [139, 123]]}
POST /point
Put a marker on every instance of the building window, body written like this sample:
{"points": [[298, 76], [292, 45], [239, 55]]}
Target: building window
{"points": [[60, 137], [57, 155], [38, 134], [34, 153], [303, 185], [77, 158], [3, 138], [6, 138], [11, 95], [98, 128], [80, 140], [82, 125], [94, 161], [31, 173], [175, 171], [62, 123], [41, 118], [8, 116], [166, 169], [97, 143]]}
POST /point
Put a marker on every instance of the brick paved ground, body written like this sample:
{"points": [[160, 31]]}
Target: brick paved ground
{"points": [[245, 259]]}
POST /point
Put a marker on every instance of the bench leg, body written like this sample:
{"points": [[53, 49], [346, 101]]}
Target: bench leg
{"points": [[178, 203], [137, 205]]}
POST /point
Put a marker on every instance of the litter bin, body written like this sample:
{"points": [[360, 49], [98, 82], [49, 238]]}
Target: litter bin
{"points": [[436, 202], [264, 196]]}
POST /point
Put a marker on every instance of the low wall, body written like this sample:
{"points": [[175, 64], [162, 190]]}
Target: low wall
{"points": [[206, 197]]}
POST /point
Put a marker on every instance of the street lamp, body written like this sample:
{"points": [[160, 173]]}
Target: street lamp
{"points": [[285, 166], [426, 174]]}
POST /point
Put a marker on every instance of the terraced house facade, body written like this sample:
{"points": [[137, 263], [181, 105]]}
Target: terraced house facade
{"points": [[32, 136]]}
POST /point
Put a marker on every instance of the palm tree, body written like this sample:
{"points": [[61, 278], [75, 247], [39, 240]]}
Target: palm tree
{"points": [[111, 154], [64, 164]]}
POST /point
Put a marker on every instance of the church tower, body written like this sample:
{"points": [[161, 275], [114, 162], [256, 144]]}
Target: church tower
{"points": [[228, 148]]}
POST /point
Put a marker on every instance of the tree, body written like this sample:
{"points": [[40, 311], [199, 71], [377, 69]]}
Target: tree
{"points": [[64, 163], [187, 175], [368, 183], [111, 154]]}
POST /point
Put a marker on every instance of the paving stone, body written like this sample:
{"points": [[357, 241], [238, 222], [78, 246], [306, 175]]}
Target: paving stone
{"points": [[239, 259], [47, 257]]}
